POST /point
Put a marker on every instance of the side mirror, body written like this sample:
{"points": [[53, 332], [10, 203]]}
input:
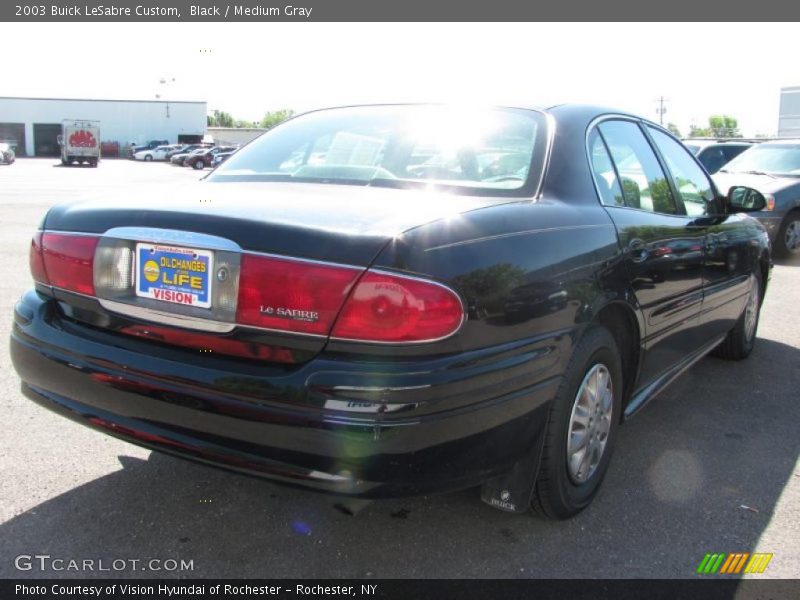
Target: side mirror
{"points": [[745, 199]]}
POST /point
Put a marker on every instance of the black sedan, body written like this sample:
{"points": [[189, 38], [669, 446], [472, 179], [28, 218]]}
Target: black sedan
{"points": [[390, 300]]}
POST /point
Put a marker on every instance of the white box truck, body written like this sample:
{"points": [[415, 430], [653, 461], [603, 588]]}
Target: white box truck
{"points": [[80, 142]]}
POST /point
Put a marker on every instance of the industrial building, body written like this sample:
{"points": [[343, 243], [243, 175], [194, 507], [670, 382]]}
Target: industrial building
{"points": [[33, 124], [234, 136], [789, 114]]}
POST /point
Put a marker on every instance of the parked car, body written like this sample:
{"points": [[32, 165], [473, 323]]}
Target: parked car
{"points": [[7, 155], [715, 154], [180, 157], [201, 160], [772, 168], [148, 146], [385, 316], [221, 157], [158, 153], [185, 149]]}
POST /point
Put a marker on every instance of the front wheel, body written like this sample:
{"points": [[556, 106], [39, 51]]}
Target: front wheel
{"points": [[788, 241], [198, 164], [147, 158], [581, 428]]}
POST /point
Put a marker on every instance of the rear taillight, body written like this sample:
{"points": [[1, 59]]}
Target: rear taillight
{"points": [[388, 308], [36, 260], [290, 295], [306, 297], [66, 261], [274, 293]]}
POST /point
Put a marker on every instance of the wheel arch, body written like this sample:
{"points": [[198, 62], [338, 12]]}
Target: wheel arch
{"points": [[621, 319]]}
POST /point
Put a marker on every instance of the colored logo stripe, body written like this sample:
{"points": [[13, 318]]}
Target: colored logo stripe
{"points": [[733, 563], [758, 563], [711, 563]]}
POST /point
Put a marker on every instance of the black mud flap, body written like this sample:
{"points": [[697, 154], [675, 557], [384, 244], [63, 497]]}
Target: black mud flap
{"points": [[512, 492]]}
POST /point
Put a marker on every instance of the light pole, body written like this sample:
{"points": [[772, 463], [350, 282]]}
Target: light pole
{"points": [[661, 109], [165, 81]]}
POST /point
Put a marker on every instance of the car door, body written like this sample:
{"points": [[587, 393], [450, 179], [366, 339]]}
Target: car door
{"points": [[662, 245], [729, 257]]}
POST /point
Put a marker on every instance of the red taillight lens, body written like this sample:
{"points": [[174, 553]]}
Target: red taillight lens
{"points": [[392, 308], [288, 295], [36, 260], [67, 261]]}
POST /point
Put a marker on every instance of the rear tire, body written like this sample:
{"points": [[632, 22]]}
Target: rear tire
{"points": [[585, 410], [741, 339], [147, 158], [198, 164]]}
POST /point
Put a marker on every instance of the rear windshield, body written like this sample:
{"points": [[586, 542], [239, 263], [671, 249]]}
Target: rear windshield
{"points": [[479, 151]]}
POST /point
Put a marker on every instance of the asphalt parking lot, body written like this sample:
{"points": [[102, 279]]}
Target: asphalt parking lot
{"points": [[710, 466]]}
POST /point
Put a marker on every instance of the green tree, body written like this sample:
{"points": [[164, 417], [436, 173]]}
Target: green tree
{"points": [[674, 129], [724, 126], [698, 132], [273, 118], [220, 119]]}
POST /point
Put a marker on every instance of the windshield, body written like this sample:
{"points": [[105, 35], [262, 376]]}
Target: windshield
{"points": [[487, 151], [693, 148], [777, 159]]}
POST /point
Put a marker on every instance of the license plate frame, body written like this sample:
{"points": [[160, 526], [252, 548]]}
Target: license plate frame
{"points": [[171, 272]]}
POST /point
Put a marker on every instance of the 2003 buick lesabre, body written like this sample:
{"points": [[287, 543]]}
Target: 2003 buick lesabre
{"points": [[390, 300]]}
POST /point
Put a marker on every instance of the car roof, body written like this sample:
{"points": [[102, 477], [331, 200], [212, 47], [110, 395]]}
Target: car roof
{"points": [[705, 143], [783, 142]]}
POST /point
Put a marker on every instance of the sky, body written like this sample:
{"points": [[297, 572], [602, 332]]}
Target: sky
{"points": [[247, 69]]}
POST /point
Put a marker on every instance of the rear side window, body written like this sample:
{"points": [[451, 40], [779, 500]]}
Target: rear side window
{"points": [[691, 182], [713, 158], [605, 177], [644, 184], [732, 152]]}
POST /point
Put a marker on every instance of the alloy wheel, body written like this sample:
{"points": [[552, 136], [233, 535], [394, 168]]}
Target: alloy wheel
{"points": [[590, 423]]}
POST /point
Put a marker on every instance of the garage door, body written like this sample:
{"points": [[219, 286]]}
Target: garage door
{"points": [[45, 139]]}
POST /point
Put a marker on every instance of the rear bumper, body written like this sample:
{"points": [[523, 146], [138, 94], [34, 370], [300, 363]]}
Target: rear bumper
{"points": [[336, 424]]}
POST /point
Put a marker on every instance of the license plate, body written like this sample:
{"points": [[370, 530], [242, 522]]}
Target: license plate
{"points": [[174, 274]]}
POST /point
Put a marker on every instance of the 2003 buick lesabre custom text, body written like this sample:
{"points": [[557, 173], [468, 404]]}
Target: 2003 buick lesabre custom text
{"points": [[389, 300], [101, 10]]}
